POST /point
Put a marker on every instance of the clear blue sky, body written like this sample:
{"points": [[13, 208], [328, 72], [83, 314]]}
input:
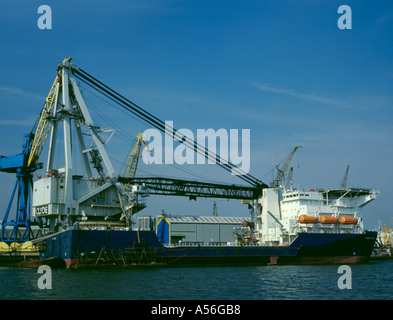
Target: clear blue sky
{"points": [[282, 69]]}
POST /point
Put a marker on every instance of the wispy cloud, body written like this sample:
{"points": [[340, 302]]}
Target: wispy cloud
{"points": [[18, 91], [306, 96], [8, 122]]}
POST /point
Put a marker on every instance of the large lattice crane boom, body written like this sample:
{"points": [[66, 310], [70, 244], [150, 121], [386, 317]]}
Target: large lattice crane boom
{"points": [[194, 189], [156, 123]]}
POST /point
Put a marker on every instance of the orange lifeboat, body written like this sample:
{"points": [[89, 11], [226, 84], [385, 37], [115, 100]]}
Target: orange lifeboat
{"points": [[348, 220], [307, 219], [328, 220]]}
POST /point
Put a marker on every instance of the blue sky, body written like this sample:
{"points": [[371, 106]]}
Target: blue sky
{"points": [[282, 69]]}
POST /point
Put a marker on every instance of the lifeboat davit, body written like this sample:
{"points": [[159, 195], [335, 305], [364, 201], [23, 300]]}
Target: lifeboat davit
{"points": [[327, 219], [307, 219], [348, 220]]}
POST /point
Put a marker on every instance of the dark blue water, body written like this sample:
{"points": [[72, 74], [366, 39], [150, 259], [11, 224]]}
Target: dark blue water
{"points": [[373, 280]]}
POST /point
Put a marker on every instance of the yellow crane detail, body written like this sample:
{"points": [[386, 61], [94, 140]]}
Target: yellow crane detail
{"points": [[44, 124], [386, 236]]}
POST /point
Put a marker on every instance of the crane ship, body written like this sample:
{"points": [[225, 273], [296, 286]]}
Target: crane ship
{"points": [[86, 220]]}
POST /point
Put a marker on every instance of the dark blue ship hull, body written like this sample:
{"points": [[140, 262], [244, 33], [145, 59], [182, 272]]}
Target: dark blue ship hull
{"points": [[142, 248]]}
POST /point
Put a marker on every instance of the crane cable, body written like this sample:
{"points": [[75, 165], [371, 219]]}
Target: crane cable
{"points": [[126, 138], [152, 120], [157, 123]]}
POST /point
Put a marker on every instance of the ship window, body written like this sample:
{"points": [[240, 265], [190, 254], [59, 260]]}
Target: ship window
{"points": [[100, 200]]}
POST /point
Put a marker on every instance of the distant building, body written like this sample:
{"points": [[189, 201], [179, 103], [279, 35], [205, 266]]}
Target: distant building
{"points": [[146, 223], [197, 229]]}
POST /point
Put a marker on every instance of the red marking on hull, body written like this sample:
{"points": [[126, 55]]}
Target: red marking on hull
{"points": [[273, 260], [70, 262], [332, 260]]}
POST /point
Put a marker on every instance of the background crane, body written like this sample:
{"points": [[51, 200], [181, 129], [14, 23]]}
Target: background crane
{"points": [[281, 172], [139, 191], [132, 164], [345, 178], [288, 184]]}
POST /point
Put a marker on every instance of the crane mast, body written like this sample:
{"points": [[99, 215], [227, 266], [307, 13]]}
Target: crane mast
{"points": [[64, 198]]}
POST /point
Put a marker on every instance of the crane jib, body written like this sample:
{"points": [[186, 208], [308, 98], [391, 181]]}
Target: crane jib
{"points": [[194, 189]]}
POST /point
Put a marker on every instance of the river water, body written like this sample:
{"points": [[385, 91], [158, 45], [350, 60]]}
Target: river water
{"points": [[370, 281]]}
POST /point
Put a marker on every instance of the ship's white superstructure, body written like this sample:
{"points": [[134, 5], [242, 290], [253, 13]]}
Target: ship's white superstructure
{"points": [[282, 213]]}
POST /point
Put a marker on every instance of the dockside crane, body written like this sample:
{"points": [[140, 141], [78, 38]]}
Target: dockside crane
{"points": [[19, 229], [24, 165]]}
